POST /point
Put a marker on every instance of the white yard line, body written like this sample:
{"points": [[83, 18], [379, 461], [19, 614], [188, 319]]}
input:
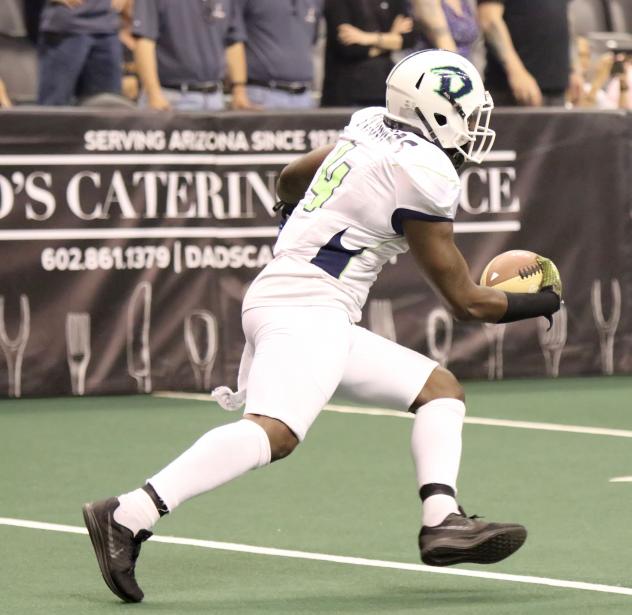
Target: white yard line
{"points": [[339, 559], [471, 420]]}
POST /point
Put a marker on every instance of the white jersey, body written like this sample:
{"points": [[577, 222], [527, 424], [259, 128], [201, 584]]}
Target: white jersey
{"points": [[349, 223]]}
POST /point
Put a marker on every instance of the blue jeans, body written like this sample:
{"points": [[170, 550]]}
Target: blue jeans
{"points": [[189, 101], [74, 66], [277, 99]]}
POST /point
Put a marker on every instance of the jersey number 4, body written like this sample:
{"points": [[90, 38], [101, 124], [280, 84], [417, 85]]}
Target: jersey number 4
{"points": [[330, 178]]}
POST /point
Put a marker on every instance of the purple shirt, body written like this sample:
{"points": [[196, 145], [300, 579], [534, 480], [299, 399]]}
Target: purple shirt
{"points": [[463, 28]]}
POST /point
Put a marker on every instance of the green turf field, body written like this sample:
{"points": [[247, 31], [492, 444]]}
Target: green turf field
{"points": [[347, 492]]}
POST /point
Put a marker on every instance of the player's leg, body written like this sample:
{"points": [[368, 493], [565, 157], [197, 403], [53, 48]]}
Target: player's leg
{"points": [[299, 357], [451, 538], [436, 443], [383, 372]]}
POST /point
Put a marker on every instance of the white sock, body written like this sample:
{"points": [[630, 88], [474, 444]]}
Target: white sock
{"points": [[436, 449], [220, 455], [137, 511]]}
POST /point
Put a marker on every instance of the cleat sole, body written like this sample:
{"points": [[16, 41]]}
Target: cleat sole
{"points": [[488, 549]]}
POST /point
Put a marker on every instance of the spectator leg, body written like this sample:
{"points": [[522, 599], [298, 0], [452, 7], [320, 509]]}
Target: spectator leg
{"points": [[103, 69], [61, 58]]}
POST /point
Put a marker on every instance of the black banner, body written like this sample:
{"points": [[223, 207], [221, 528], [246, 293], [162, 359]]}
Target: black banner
{"points": [[127, 242]]}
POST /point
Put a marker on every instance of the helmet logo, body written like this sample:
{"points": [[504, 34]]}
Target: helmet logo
{"points": [[455, 82]]}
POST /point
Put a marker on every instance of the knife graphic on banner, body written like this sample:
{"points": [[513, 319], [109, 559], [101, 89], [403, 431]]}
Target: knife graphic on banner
{"points": [[495, 334], [381, 319], [138, 321]]}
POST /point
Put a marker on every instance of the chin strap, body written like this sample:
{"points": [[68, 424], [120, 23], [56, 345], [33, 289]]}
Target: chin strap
{"points": [[456, 157], [395, 125]]}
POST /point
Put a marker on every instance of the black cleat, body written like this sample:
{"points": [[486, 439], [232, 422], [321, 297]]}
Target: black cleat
{"points": [[461, 539], [116, 547]]}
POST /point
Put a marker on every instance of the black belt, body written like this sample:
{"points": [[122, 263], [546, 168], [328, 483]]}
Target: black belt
{"points": [[208, 87], [293, 87]]}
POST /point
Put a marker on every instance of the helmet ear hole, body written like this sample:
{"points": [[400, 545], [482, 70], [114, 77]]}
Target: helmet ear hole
{"points": [[441, 119]]}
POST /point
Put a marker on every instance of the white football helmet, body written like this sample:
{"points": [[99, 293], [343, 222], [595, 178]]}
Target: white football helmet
{"points": [[441, 95]]}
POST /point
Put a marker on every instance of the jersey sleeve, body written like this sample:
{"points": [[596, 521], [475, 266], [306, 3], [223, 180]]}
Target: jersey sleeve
{"points": [[146, 22], [236, 32], [426, 186]]}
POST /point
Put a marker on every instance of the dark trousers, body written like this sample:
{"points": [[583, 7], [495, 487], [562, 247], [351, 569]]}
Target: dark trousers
{"points": [[74, 66]]}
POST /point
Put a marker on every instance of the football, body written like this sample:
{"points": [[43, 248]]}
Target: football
{"points": [[516, 271]]}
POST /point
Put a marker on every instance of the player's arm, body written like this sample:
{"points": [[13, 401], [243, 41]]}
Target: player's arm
{"points": [[432, 245], [296, 177]]}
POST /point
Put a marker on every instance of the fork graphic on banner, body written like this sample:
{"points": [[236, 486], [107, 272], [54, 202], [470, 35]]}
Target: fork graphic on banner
{"points": [[78, 349], [553, 340], [13, 348], [606, 327]]}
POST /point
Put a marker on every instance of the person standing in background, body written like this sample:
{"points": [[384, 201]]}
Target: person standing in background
{"points": [[446, 24], [130, 87], [280, 38], [32, 12], [79, 51], [528, 51], [360, 37], [183, 51]]}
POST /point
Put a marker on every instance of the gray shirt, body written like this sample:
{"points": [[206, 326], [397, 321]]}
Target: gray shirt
{"points": [[91, 17], [191, 36], [280, 38]]}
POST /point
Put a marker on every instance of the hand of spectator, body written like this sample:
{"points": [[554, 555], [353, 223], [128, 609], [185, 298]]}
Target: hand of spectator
{"points": [[129, 87], [71, 4], [402, 25], [603, 70], [575, 87], [350, 35], [158, 102], [240, 100], [525, 88], [5, 101]]}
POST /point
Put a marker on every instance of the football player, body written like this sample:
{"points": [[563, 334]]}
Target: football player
{"points": [[388, 185]]}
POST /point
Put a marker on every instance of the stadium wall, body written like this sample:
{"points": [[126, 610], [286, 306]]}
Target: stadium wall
{"points": [[127, 241]]}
